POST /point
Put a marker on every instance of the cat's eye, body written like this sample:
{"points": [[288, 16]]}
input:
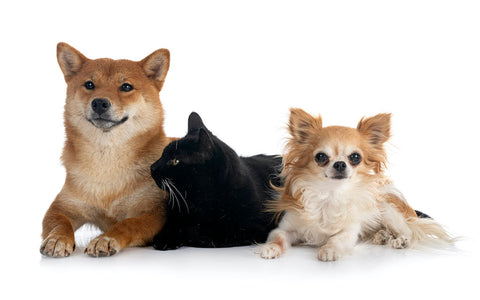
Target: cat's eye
{"points": [[175, 162], [321, 158], [355, 158]]}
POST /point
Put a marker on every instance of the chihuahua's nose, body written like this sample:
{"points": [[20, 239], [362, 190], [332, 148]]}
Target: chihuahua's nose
{"points": [[100, 105], [340, 166]]}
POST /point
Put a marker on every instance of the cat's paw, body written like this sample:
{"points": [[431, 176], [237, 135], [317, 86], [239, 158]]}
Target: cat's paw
{"points": [[400, 242], [57, 246], [102, 246], [162, 243], [269, 250], [328, 253]]}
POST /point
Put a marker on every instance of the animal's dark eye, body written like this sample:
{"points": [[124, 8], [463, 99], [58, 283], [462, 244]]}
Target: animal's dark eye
{"points": [[321, 158], [89, 85], [126, 87], [355, 158]]}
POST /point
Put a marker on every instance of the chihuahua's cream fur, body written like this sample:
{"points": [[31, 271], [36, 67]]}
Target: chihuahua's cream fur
{"points": [[336, 193]]}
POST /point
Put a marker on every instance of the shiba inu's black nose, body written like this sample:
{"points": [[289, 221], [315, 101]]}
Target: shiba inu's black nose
{"points": [[100, 105], [340, 166]]}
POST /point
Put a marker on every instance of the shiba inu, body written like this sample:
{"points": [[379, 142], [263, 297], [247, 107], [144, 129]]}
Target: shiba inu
{"points": [[336, 192], [114, 132]]}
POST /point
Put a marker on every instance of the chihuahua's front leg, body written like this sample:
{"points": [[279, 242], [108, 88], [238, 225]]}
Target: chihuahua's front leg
{"points": [[279, 240], [339, 244]]}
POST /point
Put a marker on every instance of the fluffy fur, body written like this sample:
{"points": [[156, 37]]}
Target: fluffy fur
{"points": [[114, 132], [217, 199], [336, 192]]}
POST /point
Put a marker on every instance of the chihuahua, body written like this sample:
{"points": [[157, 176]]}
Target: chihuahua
{"points": [[336, 192]]}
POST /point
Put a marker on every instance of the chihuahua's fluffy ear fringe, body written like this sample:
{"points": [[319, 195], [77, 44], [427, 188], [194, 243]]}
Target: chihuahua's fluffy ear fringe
{"points": [[376, 128], [301, 123], [377, 131]]}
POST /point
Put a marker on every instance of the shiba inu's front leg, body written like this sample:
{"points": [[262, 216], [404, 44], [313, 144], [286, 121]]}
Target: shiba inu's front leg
{"points": [[138, 231], [59, 225], [339, 244]]}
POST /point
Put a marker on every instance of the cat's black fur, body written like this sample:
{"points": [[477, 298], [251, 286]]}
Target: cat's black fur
{"points": [[217, 199]]}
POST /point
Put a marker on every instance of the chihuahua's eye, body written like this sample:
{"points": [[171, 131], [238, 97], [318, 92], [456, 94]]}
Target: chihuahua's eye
{"points": [[89, 85], [175, 162], [321, 158], [126, 87], [355, 158]]}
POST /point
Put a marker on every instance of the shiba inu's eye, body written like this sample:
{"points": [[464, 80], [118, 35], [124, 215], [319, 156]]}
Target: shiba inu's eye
{"points": [[355, 158], [321, 158], [126, 87], [89, 85]]}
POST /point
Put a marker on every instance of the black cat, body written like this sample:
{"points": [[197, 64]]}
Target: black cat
{"points": [[217, 199]]}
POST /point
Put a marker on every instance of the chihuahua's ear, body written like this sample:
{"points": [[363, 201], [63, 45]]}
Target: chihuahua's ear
{"points": [[156, 66], [376, 128], [301, 123], [69, 59]]}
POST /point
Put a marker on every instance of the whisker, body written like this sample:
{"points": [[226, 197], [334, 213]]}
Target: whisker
{"points": [[174, 194], [170, 194], [181, 197]]}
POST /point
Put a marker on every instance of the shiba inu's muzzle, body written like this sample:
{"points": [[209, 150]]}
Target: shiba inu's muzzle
{"points": [[101, 114]]}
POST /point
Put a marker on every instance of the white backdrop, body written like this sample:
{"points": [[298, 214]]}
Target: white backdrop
{"points": [[241, 65]]}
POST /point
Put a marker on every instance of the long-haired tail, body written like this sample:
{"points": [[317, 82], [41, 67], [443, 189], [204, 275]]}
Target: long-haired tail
{"points": [[428, 232]]}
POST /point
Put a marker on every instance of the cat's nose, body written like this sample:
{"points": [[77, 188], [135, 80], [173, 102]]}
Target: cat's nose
{"points": [[154, 167]]}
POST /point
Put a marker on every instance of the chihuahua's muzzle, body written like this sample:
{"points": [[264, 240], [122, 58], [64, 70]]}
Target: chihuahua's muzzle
{"points": [[340, 167]]}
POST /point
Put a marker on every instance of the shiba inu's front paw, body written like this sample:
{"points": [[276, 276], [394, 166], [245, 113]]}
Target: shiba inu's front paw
{"points": [[400, 242], [269, 250], [57, 246], [327, 253], [102, 246]]}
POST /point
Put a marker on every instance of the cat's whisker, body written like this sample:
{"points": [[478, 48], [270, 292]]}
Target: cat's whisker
{"points": [[181, 196], [171, 196], [174, 192], [177, 195]]}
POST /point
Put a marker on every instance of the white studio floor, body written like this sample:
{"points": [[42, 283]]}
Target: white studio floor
{"points": [[373, 271]]}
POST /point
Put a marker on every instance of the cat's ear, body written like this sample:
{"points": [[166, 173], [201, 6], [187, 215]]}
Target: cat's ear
{"points": [[195, 122], [204, 138]]}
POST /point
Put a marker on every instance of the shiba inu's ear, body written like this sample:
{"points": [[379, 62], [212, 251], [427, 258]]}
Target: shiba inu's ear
{"points": [[301, 123], [376, 128], [156, 66], [69, 59]]}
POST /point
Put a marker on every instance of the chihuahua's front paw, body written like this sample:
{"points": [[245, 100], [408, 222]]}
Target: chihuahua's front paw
{"points": [[102, 246], [269, 250], [57, 246], [327, 253], [400, 242]]}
